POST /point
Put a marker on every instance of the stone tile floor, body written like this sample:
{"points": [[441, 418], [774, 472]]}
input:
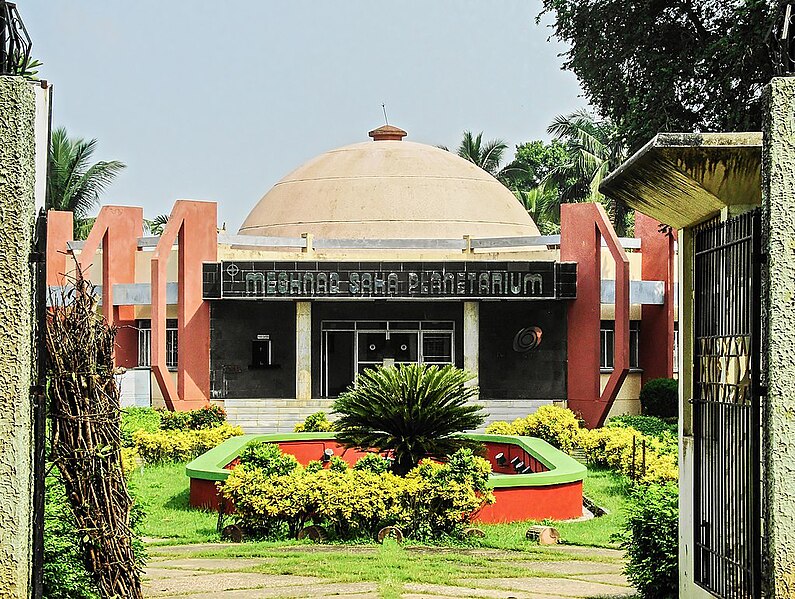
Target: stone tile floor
{"points": [[589, 573]]}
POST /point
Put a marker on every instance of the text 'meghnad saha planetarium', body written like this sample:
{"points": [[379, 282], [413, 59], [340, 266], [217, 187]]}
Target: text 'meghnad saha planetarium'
{"points": [[377, 253]]}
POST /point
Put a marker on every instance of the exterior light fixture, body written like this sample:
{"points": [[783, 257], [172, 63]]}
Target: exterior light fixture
{"points": [[500, 459], [15, 42], [527, 470], [327, 453], [519, 466], [515, 461]]}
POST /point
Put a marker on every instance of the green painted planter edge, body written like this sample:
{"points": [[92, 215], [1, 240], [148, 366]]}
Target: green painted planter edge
{"points": [[562, 467]]}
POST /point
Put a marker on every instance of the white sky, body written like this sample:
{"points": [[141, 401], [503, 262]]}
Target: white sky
{"points": [[219, 100]]}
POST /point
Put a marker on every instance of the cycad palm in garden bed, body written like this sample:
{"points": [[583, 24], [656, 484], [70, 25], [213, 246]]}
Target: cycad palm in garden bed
{"points": [[413, 410]]}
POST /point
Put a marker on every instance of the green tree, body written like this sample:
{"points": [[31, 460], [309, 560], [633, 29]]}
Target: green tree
{"points": [[74, 184], [527, 177], [487, 155], [651, 66], [415, 411], [532, 162], [542, 203], [594, 150]]}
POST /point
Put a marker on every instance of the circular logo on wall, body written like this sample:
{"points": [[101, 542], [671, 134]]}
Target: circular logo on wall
{"points": [[527, 339]]}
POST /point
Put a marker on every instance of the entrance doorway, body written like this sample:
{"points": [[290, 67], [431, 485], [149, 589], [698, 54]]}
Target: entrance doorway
{"points": [[350, 347]]}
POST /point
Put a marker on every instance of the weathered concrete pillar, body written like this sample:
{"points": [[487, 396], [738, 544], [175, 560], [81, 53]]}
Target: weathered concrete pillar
{"points": [[472, 339], [303, 350], [17, 208], [778, 415]]}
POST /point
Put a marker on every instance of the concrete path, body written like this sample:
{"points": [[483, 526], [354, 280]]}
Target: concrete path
{"points": [[589, 573]]}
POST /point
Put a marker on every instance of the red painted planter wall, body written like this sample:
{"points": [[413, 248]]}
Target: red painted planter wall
{"points": [[558, 502]]}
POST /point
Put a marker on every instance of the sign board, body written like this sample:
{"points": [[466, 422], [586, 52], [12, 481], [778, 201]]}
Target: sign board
{"points": [[389, 280]]}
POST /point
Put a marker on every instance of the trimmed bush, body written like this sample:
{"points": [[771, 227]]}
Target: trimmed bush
{"points": [[210, 416], [433, 500], [660, 397], [557, 426], [180, 445], [269, 459], [315, 423], [651, 426], [651, 540], [136, 419]]}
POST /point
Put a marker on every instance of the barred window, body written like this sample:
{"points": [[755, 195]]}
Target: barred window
{"points": [[608, 340], [145, 342]]}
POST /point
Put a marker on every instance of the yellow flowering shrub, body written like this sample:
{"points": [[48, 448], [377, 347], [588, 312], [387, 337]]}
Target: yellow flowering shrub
{"points": [[557, 426], [610, 446], [433, 499], [180, 445]]}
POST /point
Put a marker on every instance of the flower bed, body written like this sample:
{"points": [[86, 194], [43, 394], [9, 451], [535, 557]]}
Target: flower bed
{"points": [[550, 488]]}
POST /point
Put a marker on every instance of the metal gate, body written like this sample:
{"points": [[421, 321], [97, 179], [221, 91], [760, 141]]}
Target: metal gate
{"points": [[726, 406]]}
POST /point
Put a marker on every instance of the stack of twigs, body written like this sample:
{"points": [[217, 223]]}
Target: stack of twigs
{"points": [[86, 446]]}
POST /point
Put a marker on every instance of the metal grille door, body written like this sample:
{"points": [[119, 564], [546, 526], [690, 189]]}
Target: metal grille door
{"points": [[726, 407]]}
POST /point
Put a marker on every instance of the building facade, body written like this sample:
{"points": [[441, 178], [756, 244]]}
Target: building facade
{"points": [[378, 253]]}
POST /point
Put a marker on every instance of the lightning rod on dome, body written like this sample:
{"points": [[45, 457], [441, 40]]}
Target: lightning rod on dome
{"points": [[383, 107]]}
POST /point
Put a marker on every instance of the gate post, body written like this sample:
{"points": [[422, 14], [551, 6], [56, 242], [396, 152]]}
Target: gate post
{"points": [[778, 420], [17, 206]]}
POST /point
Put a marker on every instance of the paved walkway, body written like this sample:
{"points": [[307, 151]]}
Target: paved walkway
{"points": [[591, 573]]}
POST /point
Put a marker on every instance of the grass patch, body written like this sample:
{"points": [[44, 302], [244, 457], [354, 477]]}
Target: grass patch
{"points": [[164, 493], [604, 487], [389, 565]]}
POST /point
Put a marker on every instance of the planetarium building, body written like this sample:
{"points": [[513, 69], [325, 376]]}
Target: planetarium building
{"points": [[377, 253]]}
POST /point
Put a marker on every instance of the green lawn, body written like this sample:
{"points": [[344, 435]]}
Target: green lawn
{"points": [[163, 491]]}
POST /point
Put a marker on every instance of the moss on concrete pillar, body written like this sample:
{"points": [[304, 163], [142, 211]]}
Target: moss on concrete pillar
{"points": [[778, 416], [17, 174]]}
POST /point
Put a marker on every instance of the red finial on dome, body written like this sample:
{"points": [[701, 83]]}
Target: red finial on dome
{"points": [[387, 133]]}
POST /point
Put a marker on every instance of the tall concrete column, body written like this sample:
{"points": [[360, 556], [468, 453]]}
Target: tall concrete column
{"points": [[778, 422], [472, 339], [17, 208], [303, 350]]}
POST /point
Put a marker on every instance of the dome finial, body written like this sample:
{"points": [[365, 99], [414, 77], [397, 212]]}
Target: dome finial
{"points": [[387, 133]]}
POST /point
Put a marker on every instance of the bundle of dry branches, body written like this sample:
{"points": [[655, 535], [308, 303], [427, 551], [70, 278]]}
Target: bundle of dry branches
{"points": [[86, 445]]}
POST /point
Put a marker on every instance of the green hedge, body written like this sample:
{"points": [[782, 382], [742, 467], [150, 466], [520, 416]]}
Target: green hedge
{"points": [[660, 397], [651, 540]]}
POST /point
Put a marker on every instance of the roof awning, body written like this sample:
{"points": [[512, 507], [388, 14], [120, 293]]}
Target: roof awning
{"points": [[684, 178]]}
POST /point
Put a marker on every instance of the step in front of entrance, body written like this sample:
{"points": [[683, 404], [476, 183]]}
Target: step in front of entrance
{"points": [[260, 416]]}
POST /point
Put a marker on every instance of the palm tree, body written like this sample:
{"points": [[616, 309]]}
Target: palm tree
{"points": [[487, 156], [594, 151], [73, 183], [543, 205], [156, 225], [413, 410]]}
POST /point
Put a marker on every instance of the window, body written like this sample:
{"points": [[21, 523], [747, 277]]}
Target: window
{"points": [[608, 340], [145, 343]]}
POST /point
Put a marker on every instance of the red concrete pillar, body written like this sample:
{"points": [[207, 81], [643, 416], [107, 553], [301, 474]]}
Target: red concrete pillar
{"points": [[656, 342], [116, 232], [59, 233], [583, 226], [193, 225]]}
